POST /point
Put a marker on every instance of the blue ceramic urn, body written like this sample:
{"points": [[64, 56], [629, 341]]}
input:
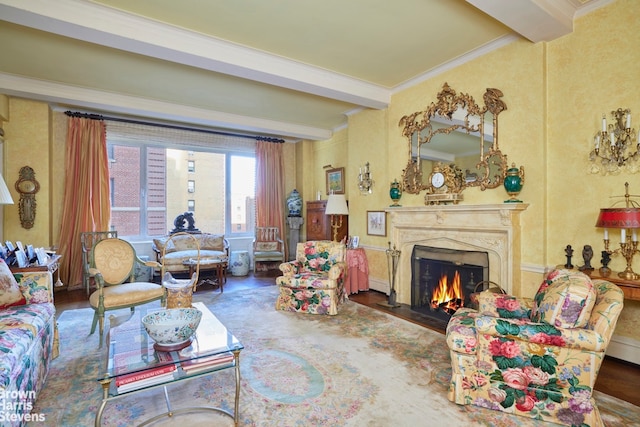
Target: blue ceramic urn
{"points": [[294, 203]]}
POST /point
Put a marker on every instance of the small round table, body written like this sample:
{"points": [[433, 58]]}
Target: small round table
{"points": [[219, 265]]}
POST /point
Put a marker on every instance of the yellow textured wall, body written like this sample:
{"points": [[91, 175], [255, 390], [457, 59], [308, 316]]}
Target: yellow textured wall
{"points": [[27, 144], [555, 93]]}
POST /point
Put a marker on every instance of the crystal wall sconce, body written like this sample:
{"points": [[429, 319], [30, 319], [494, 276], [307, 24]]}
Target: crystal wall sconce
{"points": [[365, 182], [615, 146]]}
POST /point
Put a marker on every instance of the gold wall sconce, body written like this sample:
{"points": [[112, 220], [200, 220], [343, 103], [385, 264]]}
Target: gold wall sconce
{"points": [[365, 182], [27, 186], [615, 146]]}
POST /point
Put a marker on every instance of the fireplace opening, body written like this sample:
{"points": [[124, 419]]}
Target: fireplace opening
{"points": [[442, 280]]}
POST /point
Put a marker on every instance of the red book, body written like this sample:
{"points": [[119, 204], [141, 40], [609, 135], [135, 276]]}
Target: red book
{"points": [[143, 375]]}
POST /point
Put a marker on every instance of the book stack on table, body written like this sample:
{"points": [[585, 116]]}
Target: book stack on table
{"points": [[146, 377], [194, 366]]}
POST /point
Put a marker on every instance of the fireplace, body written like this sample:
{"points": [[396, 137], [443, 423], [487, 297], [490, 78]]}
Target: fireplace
{"points": [[442, 280], [491, 229]]}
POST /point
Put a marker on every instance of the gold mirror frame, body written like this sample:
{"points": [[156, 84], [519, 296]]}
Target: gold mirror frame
{"points": [[492, 165]]}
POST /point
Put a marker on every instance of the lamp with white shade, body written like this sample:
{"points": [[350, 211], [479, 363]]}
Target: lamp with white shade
{"points": [[336, 207], [5, 196]]}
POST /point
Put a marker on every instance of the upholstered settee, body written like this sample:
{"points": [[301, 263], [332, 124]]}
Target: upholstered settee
{"points": [[28, 342], [538, 357], [183, 247], [314, 282]]}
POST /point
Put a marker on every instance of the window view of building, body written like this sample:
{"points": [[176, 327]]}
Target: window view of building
{"points": [[151, 186]]}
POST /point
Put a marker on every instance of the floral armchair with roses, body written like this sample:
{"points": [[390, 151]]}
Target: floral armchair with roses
{"points": [[537, 357], [314, 282]]}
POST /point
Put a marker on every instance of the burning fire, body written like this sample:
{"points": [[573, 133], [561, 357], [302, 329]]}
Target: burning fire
{"points": [[448, 297]]}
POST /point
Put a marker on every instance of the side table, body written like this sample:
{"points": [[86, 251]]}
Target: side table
{"points": [[219, 266], [357, 271], [51, 266]]}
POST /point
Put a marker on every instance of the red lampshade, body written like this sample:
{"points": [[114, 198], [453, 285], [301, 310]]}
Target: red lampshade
{"points": [[619, 218]]}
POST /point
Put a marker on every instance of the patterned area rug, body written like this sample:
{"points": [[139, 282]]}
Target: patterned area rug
{"points": [[359, 368]]}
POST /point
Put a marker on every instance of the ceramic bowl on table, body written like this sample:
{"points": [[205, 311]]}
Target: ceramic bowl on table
{"points": [[173, 328]]}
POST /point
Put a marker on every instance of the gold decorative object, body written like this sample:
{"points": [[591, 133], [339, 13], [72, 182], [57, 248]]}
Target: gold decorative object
{"points": [[27, 186], [365, 182], [476, 129], [615, 146], [445, 184], [336, 207], [626, 219]]}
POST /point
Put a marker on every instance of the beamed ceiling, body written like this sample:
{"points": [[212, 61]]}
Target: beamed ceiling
{"points": [[291, 69]]}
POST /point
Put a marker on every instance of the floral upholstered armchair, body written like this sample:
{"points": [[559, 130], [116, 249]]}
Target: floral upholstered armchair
{"points": [[314, 282], [538, 357]]}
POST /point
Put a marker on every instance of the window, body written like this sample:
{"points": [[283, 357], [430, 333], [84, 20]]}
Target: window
{"points": [[148, 182], [191, 165]]}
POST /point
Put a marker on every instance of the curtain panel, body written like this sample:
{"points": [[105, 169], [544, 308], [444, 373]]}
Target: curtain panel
{"points": [[270, 187], [86, 202]]}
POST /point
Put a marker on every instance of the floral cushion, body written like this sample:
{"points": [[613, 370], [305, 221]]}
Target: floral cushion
{"points": [[10, 293], [267, 246], [320, 255], [565, 299], [503, 305], [35, 287]]}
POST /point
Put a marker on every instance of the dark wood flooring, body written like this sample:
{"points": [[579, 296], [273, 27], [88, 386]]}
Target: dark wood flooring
{"points": [[616, 378]]}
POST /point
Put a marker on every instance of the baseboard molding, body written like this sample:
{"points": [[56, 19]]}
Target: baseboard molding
{"points": [[624, 348], [379, 285]]}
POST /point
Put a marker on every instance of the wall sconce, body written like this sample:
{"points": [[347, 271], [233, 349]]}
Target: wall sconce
{"points": [[613, 145], [626, 219], [365, 183]]}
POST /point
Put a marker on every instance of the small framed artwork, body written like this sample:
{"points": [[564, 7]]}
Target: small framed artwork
{"points": [[355, 241], [21, 257], [335, 181], [43, 258], [376, 223]]}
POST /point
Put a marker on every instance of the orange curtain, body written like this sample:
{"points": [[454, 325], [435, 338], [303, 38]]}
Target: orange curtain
{"points": [[270, 187], [86, 205]]}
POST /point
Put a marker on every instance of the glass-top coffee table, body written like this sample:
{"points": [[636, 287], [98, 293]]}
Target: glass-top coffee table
{"points": [[133, 365]]}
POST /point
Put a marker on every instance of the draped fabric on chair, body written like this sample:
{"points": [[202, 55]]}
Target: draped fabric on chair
{"points": [[270, 186], [86, 205]]}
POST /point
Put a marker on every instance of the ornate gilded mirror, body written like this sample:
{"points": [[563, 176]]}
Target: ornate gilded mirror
{"points": [[454, 144]]}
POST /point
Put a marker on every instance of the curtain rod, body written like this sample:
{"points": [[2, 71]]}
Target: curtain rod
{"points": [[92, 116]]}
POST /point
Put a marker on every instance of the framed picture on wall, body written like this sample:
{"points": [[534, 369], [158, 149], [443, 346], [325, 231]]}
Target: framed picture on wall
{"points": [[335, 181], [376, 223]]}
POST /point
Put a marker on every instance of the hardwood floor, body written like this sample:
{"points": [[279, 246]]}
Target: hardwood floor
{"points": [[616, 378]]}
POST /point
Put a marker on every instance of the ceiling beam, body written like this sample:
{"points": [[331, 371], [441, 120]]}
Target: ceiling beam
{"points": [[109, 27], [537, 20], [140, 107]]}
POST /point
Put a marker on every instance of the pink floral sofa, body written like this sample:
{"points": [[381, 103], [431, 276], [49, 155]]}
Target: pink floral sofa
{"points": [[314, 282], [27, 341], [538, 357]]}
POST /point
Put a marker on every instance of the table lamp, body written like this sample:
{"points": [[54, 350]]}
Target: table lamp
{"points": [[336, 207], [5, 196], [627, 220]]}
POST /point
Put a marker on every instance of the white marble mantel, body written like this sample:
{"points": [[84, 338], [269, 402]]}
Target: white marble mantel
{"points": [[493, 228]]}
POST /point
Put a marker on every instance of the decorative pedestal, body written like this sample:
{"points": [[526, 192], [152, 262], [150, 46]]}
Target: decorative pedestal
{"points": [[239, 263], [294, 222]]}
